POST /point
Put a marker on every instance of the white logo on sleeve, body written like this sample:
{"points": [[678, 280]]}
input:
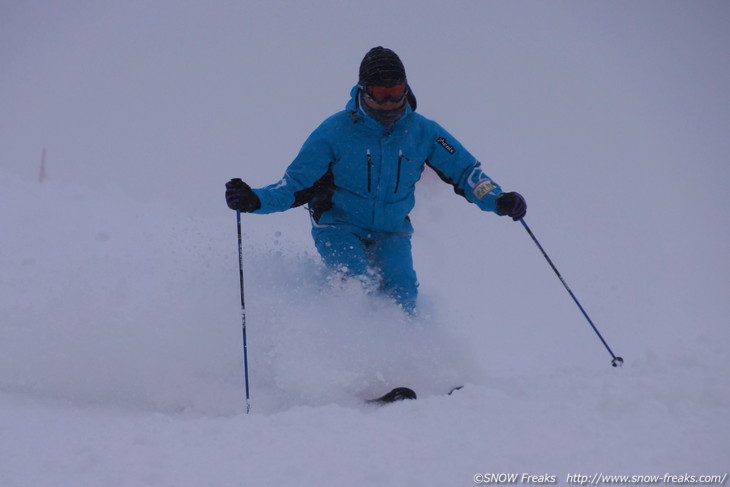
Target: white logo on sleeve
{"points": [[281, 183], [480, 184]]}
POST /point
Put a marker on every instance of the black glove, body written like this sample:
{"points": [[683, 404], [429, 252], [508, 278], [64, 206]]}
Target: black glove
{"points": [[240, 196], [512, 204]]}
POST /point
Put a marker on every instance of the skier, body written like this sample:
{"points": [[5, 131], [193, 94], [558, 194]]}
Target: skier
{"points": [[357, 172]]}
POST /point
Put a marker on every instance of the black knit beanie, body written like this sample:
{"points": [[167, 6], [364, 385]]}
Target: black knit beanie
{"points": [[381, 67]]}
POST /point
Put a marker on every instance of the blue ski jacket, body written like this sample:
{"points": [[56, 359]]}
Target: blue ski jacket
{"points": [[358, 176]]}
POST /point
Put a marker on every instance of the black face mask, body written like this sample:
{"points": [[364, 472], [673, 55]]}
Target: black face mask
{"points": [[386, 118]]}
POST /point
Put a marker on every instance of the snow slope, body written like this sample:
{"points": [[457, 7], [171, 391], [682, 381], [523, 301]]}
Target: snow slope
{"points": [[120, 334]]}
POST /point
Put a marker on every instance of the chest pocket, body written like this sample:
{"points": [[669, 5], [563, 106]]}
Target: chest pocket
{"points": [[354, 172], [407, 173]]}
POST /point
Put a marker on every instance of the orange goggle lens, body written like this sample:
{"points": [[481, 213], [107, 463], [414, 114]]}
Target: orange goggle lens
{"points": [[382, 94]]}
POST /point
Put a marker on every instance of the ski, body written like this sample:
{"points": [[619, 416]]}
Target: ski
{"points": [[401, 394], [397, 394]]}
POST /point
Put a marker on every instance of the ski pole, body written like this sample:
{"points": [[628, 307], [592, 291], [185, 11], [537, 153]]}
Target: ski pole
{"points": [[243, 309], [617, 361]]}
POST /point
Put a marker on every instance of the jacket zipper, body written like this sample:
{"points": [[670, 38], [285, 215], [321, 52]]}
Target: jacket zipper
{"points": [[397, 176], [370, 171]]}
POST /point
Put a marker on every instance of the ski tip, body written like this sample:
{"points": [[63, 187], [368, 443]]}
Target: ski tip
{"points": [[397, 394], [454, 389]]}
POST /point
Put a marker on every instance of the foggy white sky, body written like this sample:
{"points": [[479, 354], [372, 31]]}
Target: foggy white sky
{"points": [[114, 86]]}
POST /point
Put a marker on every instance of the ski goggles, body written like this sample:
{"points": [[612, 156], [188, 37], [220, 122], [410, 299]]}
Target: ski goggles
{"points": [[383, 94]]}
